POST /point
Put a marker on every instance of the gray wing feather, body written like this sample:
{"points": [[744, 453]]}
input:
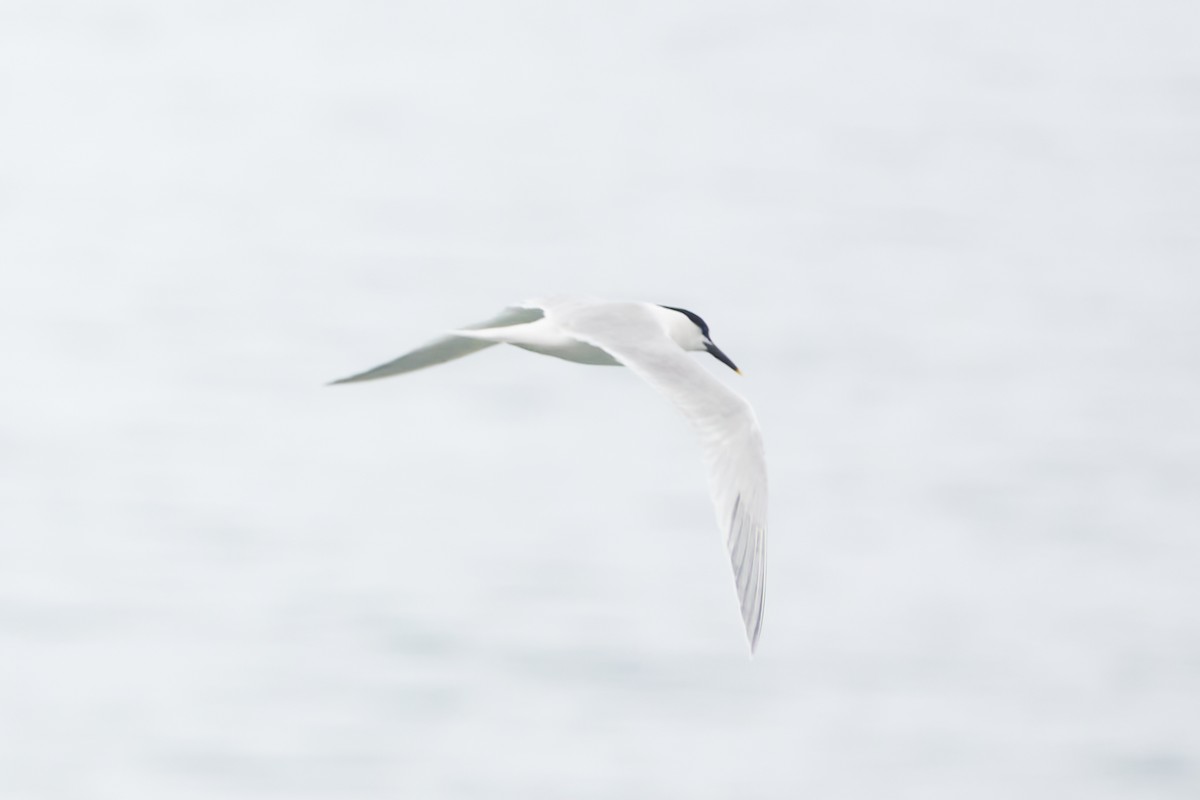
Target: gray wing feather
{"points": [[724, 421], [447, 348]]}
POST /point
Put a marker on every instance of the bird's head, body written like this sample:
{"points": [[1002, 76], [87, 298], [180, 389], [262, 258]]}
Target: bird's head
{"points": [[691, 333]]}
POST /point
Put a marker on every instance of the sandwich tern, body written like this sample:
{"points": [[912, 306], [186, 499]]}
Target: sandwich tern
{"points": [[651, 340]]}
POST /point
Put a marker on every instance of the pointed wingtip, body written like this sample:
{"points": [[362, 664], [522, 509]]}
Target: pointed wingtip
{"points": [[753, 620], [356, 378]]}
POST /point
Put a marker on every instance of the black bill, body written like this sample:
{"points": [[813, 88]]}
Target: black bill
{"points": [[724, 359]]}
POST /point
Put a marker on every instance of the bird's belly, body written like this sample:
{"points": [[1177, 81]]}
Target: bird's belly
{"points": [[571, 350]]}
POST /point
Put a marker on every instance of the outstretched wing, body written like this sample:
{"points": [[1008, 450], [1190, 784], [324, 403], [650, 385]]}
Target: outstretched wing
{"points": [[723, 420], [447, 348]]}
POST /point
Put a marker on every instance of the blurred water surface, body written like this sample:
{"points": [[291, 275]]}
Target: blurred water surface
{"points": [[954, 247]]}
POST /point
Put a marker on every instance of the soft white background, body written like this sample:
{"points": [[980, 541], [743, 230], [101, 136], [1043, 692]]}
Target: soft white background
{"points": [[954, 246]]}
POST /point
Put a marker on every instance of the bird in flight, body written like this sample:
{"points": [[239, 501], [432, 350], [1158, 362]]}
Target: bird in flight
{"points": [[653, 341]]}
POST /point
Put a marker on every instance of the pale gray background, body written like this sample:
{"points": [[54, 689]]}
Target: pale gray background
{"points": [[953, 245]]}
